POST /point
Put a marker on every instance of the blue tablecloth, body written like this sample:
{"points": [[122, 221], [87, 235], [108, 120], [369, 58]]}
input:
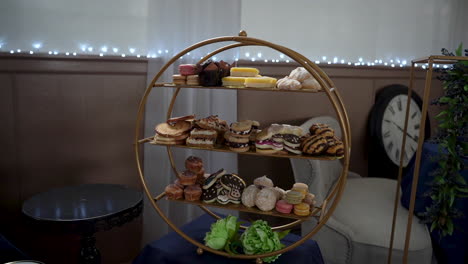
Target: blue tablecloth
{"points": [[173, 249], [449, 249]]}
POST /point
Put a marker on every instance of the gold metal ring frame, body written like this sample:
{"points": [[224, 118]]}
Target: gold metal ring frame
{"points": [[330, 202]]}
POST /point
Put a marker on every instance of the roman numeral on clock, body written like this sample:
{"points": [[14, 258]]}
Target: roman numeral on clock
{"points": [[390, 108], [399, 105], [387, 134], [390, 147], [416, 126], [397, 154], [414, 115]]}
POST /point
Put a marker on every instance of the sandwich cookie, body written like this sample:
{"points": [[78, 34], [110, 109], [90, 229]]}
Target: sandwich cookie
{"points": [[294, 197], [292, 144], [175, 130], [241, 129], [237, 144], [174, 120], [178, 79], [193, 80], [211, 194], [265, 144]]}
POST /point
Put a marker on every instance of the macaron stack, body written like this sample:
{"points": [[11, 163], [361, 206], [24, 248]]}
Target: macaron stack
{"points": [[188, 74], [297, 200], [238, 136]]}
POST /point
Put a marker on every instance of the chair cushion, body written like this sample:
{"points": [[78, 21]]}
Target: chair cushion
{"points": [[366, 207]]}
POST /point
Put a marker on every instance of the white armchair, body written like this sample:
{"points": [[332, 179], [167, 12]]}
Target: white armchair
{"points": [[359, 229]]}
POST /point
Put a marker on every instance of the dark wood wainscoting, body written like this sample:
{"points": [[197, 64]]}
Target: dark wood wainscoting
{"points": [[67, 121]]}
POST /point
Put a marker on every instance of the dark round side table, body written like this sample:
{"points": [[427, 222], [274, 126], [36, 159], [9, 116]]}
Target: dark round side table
{"points": [[84, 210]]}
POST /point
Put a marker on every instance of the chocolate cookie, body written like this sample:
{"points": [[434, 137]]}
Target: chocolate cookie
{"points": [[213, 178], [335, 147], [292, 140], [211, 194], [314, 145], [321, 130], [230, 181], [223, 197]]}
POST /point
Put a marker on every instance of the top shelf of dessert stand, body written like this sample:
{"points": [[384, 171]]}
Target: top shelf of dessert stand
{"points": [[220, 148], [236, 88]]}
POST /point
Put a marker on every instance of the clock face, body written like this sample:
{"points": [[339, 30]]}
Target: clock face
{"points": [[392, 129]]}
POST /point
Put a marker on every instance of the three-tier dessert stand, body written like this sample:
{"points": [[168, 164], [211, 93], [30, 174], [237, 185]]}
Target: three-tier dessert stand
{"points": [[322, 212]]}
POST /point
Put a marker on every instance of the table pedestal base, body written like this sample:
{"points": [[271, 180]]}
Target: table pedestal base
{"points": [[89, 254]]}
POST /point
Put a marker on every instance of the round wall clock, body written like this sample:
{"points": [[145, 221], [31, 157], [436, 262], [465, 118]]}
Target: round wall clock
{"points": [[386, 123]]}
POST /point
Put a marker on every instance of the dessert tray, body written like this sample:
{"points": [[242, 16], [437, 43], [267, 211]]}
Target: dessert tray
{"points": [[321, 212]]}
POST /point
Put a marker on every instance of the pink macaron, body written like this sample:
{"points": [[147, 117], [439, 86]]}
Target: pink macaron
{"points": [[188, 69], [283, 207]]}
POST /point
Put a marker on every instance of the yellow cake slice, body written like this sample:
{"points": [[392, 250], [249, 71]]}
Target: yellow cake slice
{"points": [[244, 72], [233, 82], [260, 82]]}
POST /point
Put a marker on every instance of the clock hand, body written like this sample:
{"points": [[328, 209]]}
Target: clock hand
{"points": [[401, 129]]}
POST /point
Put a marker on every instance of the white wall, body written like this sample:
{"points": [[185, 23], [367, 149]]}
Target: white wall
{"points": [[372, 29], [348, 29], [66, 25]]}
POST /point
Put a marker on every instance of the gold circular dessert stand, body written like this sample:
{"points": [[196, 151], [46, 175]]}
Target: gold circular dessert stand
{"points": [[330, 202]]}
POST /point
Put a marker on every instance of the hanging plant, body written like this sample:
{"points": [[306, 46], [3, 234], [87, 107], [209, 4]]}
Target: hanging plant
{"points": [[448, 185]]}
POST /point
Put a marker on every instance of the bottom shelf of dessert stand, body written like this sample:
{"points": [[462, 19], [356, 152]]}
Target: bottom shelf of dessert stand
{"points": [[240, 207]]}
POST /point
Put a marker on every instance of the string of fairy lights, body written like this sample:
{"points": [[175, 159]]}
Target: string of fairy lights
{"points": [[38, 49]]}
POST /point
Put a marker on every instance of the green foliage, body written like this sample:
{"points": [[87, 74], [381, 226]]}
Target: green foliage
{"points": [[448, 185]]}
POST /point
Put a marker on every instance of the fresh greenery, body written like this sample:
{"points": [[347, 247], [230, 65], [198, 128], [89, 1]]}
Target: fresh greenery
{"points": [[258, 238], [448, 185]]}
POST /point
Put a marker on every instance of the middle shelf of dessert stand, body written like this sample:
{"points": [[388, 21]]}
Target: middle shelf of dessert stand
{"points": [[221, 148], [240, 207]]}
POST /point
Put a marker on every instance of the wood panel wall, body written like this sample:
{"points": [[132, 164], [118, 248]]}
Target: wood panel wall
{"points": [[357, 86], [67, 121]]}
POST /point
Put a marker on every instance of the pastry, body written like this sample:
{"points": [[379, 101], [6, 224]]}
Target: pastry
{"points": [[192, 193], [223, 197], [314, 145], [213, 122], [202, 138], [287, 83], [203, 133], [302, 209], [294, 130], [241, 129], [193, 80], [232, 181], [265, 144], [173, 131], [322, 130], [260, 82], [177, 183], [255, 125], [335, 146], [300, 74], [263, 181], [301, 187], [294, 197], [173, 192], [266, 199], [187, 178], [213, 178], [233, 82], [309, 199], [280, 193], [188, 69], [174, 120], [249, 195], [312, 84], [194, 164], [178, 79], [224, 69], [158, 139], [292, 144], [244, 72], [283, 207], [209, 74], [211, 194]]}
